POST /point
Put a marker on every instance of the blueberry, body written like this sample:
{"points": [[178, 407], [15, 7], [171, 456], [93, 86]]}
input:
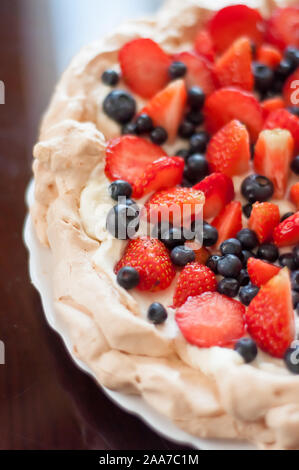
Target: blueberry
{"points": [[144, 124], [257, 188], [295, 280], [172, 237], [245, 255], [296, 255], [263, 77], [247, 348], [231, 246], [295, 165], [196, 97], [291, 54], [159, 135], [181, 255], [283, 70], [129, 128], [247, 238], [120, 188], [195, 116], [160, 228], [243, 277], [110, 77], [291, 359], [228, 286], [123, 220], [295, 298], [247, 293], [286, 216], [186, 129], [229, 266], [287, 259], [294, 110], [128, 277], [177, 69], [247, 210], [198, 142], [156, 313], [209, 235], [212, 263], [120, 106], [268, 251], [184, 153], [197, 167], [186, 183]]}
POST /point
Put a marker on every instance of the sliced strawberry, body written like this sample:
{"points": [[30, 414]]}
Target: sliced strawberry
{"points": [[165, 172], [234, 21], [167, 107], [144, 66], [229, 221], [218, 190], [272, 104], [272, 157], [283, 119], [283, 27], [260, 271], [268, 55], [232, 103], [291, 89], [211, 319], [270, 316], [152, 261], [201, 253], [193, 280], [199, 71], [204, 45], [294, 195], [128, 156], [234, 67], [287, 232], [228, 150], [263, 219]]}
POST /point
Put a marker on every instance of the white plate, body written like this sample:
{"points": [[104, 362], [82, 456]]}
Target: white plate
{"points": [[40, 263]]}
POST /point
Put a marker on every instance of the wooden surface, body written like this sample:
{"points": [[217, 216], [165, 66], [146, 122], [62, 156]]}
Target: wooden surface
{"points": [[45, 401]]}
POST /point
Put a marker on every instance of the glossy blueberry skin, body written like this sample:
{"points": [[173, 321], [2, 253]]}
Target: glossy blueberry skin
{"points": [[120, 188], [231, 246], [110, 77], [186, 129], [245, 255], [243, 277], [209, 234], [283, 70], [268, 251], [247, 210], [199, 142], [291, 54], [247, 348], [247, 238], [257, 188], [229, 266], [159, 135], [295, 165], [247, 293], [157, 313], [129, 128], [197, 167], [295, 280], [263, 77], [286, 216], [195, 116], [228, 286], [144, 124], [177, 70], [184, 153], [172, 237], [128, 277], [296, 255], [182, 255], [295, 298], [291, 360], [212, 263], [294, 110], [287, 259], [120, 106], [196, 97]]}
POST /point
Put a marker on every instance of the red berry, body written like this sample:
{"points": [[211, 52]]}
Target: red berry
{"points": [[283, 27], [260, 271], [204, 45], [228, 222], [283, 119], [287, 232], [272, 104], [294, 195], [263, 219], [199, 71], [268, 55], [193, 280], [218, 190]]}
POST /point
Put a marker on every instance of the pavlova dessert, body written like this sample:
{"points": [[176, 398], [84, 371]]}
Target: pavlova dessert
{"points": [[166, 187]]}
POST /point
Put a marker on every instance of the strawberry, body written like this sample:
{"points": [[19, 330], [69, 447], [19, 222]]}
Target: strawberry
{"points": [[260, 271], [174, 205], [128, 156], [218, 190], [144, 66], [291, 89], [283, 119], [271, 104], [272, 156], [268, 55], [201, 253], [228, 150], [165, 172], [152, 261], [204, 46], [234, 21], [193, 280], [211, 319], [294, 195], [270, 316], [263, 219], [232, 103], [229, 221], [167, 107], [199, 71], [287, 232], [233, 68], [283, 27]]}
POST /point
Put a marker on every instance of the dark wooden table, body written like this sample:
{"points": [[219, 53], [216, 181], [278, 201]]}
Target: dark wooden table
{"points": [[45, 401]]}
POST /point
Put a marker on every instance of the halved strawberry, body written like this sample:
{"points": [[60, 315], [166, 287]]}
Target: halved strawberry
{"points": [[204, 46], [218, 190], [234, 68], [232, 103], [167, 107], [272, 104], [144, 66], [228, 222], [211, 319], [294, 195], [263, 219], [272, 157], [152, 261], [268, 55], [234, 21], [291, 89], [283, 119], [193, 280], [283, 27], [201, 253], [270, 316], [165, 172], [228, 150], [287, 232], [199, 71], [260, 271]]}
